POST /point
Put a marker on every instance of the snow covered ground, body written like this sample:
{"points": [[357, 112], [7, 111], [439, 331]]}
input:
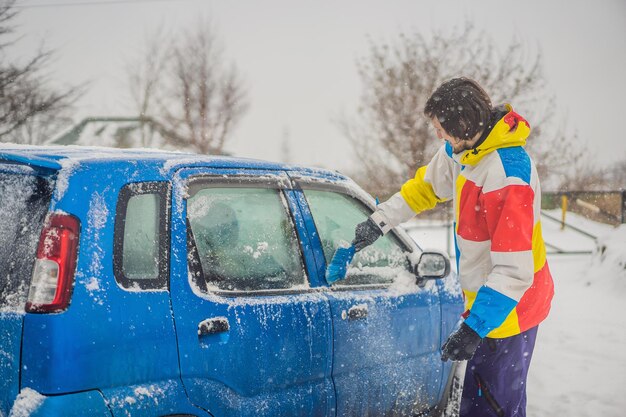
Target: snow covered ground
{"points": [[579, 364]]}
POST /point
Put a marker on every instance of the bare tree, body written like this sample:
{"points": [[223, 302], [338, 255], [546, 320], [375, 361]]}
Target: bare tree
{"points": [[186, 87], [389, 133], [29, 107], [618, 175], [146, 75], [41, 127], [590, 177]]}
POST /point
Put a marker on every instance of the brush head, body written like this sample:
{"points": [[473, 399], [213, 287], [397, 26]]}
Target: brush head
{"points": [[338, 266]]}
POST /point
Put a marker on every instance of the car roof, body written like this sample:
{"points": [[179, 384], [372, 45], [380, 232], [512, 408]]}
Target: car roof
{"points": [[57, 157]]}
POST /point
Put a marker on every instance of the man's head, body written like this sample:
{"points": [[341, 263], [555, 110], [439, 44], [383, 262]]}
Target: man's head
{"points": [[460, 111]]}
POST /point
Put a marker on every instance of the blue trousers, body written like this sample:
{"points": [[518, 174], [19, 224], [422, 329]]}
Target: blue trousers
{"points": [[495, 380]]}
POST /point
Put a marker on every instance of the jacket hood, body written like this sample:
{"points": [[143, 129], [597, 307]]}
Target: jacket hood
{"points": [[511, 130]]}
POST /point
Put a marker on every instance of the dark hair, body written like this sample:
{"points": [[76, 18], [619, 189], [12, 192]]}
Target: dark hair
{"points": [[462, 107]]}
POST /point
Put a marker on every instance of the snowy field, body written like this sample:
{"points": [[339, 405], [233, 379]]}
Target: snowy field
{"points": [[579, 363]]}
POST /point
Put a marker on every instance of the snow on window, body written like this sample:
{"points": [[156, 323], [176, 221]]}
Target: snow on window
{"points": [[245, 239], [23, 205], [336, 216], [140, 259]]}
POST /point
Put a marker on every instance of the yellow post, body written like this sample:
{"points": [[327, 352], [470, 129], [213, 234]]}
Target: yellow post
{"points": [[563, 210]]}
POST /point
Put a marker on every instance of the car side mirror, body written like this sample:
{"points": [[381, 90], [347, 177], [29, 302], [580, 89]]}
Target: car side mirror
{"points": [[431, 265]]}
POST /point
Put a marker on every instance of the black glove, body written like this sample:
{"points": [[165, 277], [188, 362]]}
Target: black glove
{"points": [[365, 234], [461, 344]]}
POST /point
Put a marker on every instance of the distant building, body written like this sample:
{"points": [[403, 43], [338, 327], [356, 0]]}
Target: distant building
{"points": [[118, 132]]}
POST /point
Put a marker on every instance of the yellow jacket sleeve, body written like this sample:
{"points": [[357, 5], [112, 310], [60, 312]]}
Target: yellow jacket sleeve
{"points": [[432, 183], [418, 193]]}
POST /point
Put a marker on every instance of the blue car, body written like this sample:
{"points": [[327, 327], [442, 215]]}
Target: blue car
{"points": [[139, 283]]}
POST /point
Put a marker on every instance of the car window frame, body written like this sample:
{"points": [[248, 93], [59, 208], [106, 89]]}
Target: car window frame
{"points": [[129, 190], [306, 183], [273, 181]]}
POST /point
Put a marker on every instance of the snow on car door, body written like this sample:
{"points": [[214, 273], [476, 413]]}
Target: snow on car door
{"points": [[386, 329], [254, 338]]}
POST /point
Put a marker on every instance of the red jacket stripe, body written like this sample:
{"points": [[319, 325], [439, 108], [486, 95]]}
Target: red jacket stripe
{"points": [[535, 303], [509, 217], [471, 220]]}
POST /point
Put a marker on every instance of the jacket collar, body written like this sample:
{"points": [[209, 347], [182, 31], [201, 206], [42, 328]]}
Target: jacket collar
{"points": [[511, 130]]}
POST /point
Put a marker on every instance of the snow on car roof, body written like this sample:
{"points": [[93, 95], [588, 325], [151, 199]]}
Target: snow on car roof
{"points": [[72, 155]]}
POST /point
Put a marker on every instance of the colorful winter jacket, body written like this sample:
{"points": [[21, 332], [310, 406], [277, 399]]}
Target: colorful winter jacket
{"points": [[501, 257]]}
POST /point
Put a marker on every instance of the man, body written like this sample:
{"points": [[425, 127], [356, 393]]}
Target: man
{"points": [[501, 258]]}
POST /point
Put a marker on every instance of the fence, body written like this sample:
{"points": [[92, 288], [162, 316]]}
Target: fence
{"points": [[601, 206]]}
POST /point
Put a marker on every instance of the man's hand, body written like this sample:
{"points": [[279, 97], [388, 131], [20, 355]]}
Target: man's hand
{"points": [[461, 344], [365, 234]]}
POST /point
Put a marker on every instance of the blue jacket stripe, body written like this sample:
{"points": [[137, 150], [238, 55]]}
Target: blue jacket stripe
{"points": [[516, 162], [489, 310]]}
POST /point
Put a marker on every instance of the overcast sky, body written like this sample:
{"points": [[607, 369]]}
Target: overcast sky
{"points": [[298, 58]]}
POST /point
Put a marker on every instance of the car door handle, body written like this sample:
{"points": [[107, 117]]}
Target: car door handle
{"points": [[213, 326], [357, 312]]}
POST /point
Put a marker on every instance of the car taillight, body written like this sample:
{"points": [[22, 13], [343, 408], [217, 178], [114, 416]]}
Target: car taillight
{"points": [[53, 275]]}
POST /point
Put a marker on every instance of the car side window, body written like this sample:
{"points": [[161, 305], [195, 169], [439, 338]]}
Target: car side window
{"points": [[142, 236], [244, 239], [336, 215]]}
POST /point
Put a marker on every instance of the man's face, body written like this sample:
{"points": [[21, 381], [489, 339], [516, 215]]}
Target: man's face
{"points": [[458, 145], [443, 135]]}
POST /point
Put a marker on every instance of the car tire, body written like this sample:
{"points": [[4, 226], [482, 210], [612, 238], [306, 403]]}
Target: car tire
{"points": [[451, 400]]}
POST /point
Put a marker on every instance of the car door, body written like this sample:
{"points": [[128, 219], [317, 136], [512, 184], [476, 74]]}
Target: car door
{"points": [[386, 328], [254, 335]]}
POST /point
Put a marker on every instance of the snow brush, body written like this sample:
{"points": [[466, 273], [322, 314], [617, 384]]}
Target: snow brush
{"points": [[338, 266]]}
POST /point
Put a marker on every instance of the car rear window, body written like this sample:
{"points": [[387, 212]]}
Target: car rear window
{"points": [[24, 200]]}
